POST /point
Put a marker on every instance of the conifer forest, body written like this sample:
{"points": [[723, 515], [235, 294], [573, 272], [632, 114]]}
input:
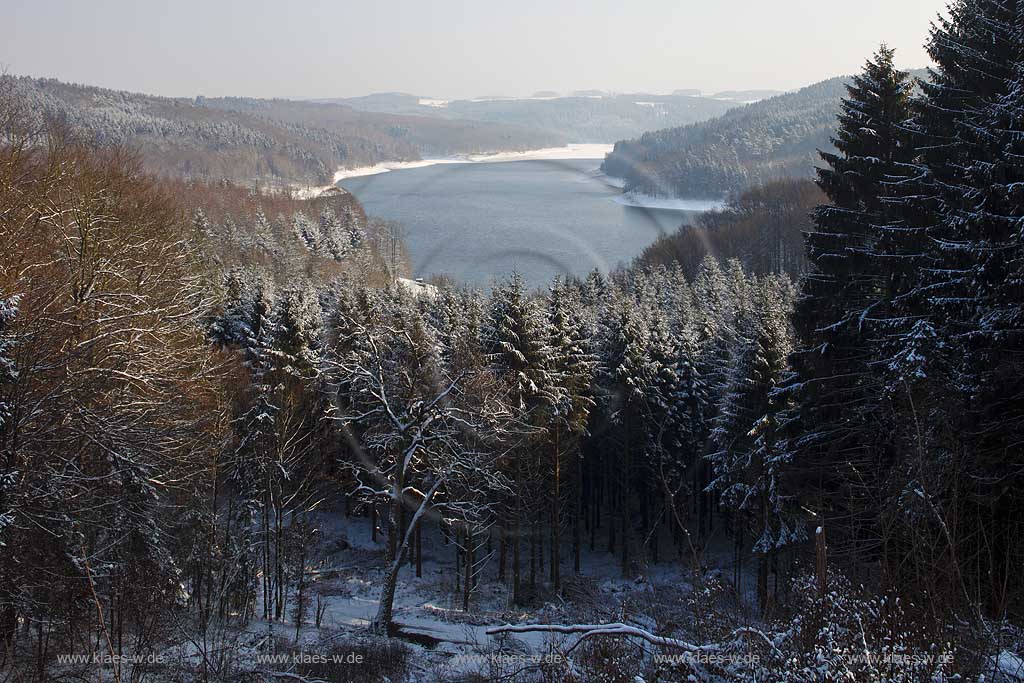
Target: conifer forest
{"points": [[245, 438]]}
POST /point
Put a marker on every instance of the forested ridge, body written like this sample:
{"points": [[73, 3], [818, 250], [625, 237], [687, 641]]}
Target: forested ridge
{"points": [[227, 425], [246, 140], [747, 146]]}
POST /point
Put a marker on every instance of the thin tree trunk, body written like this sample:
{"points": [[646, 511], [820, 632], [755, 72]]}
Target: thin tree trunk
{"points": [[533, 555], [518, 532], [576, 516], [279, 560], [265, 529], [556, 518], [593, 508], [611, 509], [624, 497], [502, 553], [655, 531], [458, 567], [382, 621], [419, 551], [467, 583], [373, 521]]}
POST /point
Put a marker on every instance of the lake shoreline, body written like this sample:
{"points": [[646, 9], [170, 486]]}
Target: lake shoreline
{"points": [[572, 151], [639, 200]]}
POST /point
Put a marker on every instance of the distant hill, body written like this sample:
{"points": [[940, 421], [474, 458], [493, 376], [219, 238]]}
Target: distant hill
{"points": [[250, 140], [747, 95], [747, 146], [587, 116]]}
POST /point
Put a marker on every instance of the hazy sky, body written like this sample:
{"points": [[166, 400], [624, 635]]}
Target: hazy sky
{"points": [[453, 48]]}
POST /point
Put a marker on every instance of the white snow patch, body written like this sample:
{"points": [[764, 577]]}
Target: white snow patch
{"points": [[418, 287], [572, 151], [1010, 666], [430, 102], [651, 105], [644, 201], [300, 191], [309, 192]]}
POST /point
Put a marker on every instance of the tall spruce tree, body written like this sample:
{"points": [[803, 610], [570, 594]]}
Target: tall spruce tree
{"points": [[715, 334], [993, 224], [837, 390], [572, 367], [969, 122], [516, 340], [748, 461], [630, 383]]}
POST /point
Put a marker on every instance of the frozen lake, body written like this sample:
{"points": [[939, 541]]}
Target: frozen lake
{"points": [[478, 221]]}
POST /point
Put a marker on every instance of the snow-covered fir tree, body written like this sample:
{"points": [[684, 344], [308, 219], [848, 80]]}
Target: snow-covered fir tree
{"points": [[844, 310], [748, 460]]}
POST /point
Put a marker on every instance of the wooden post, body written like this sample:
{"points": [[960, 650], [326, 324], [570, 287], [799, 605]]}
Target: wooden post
{"points": [[820, 561]]}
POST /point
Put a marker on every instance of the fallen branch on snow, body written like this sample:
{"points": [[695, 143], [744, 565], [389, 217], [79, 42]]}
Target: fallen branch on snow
{"points": [[590, 630], [619, 629]]}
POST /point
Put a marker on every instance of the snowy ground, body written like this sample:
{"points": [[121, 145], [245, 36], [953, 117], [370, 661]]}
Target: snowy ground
{"points": [[444, 644], [428, 609], [308, 191]]}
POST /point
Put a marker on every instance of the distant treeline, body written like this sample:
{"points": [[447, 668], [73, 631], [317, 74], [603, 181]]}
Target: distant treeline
{"points": [[589, 116]]}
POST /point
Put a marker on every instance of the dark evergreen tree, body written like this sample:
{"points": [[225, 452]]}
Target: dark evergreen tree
{"points": [[970, 124], [836, 386]]}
